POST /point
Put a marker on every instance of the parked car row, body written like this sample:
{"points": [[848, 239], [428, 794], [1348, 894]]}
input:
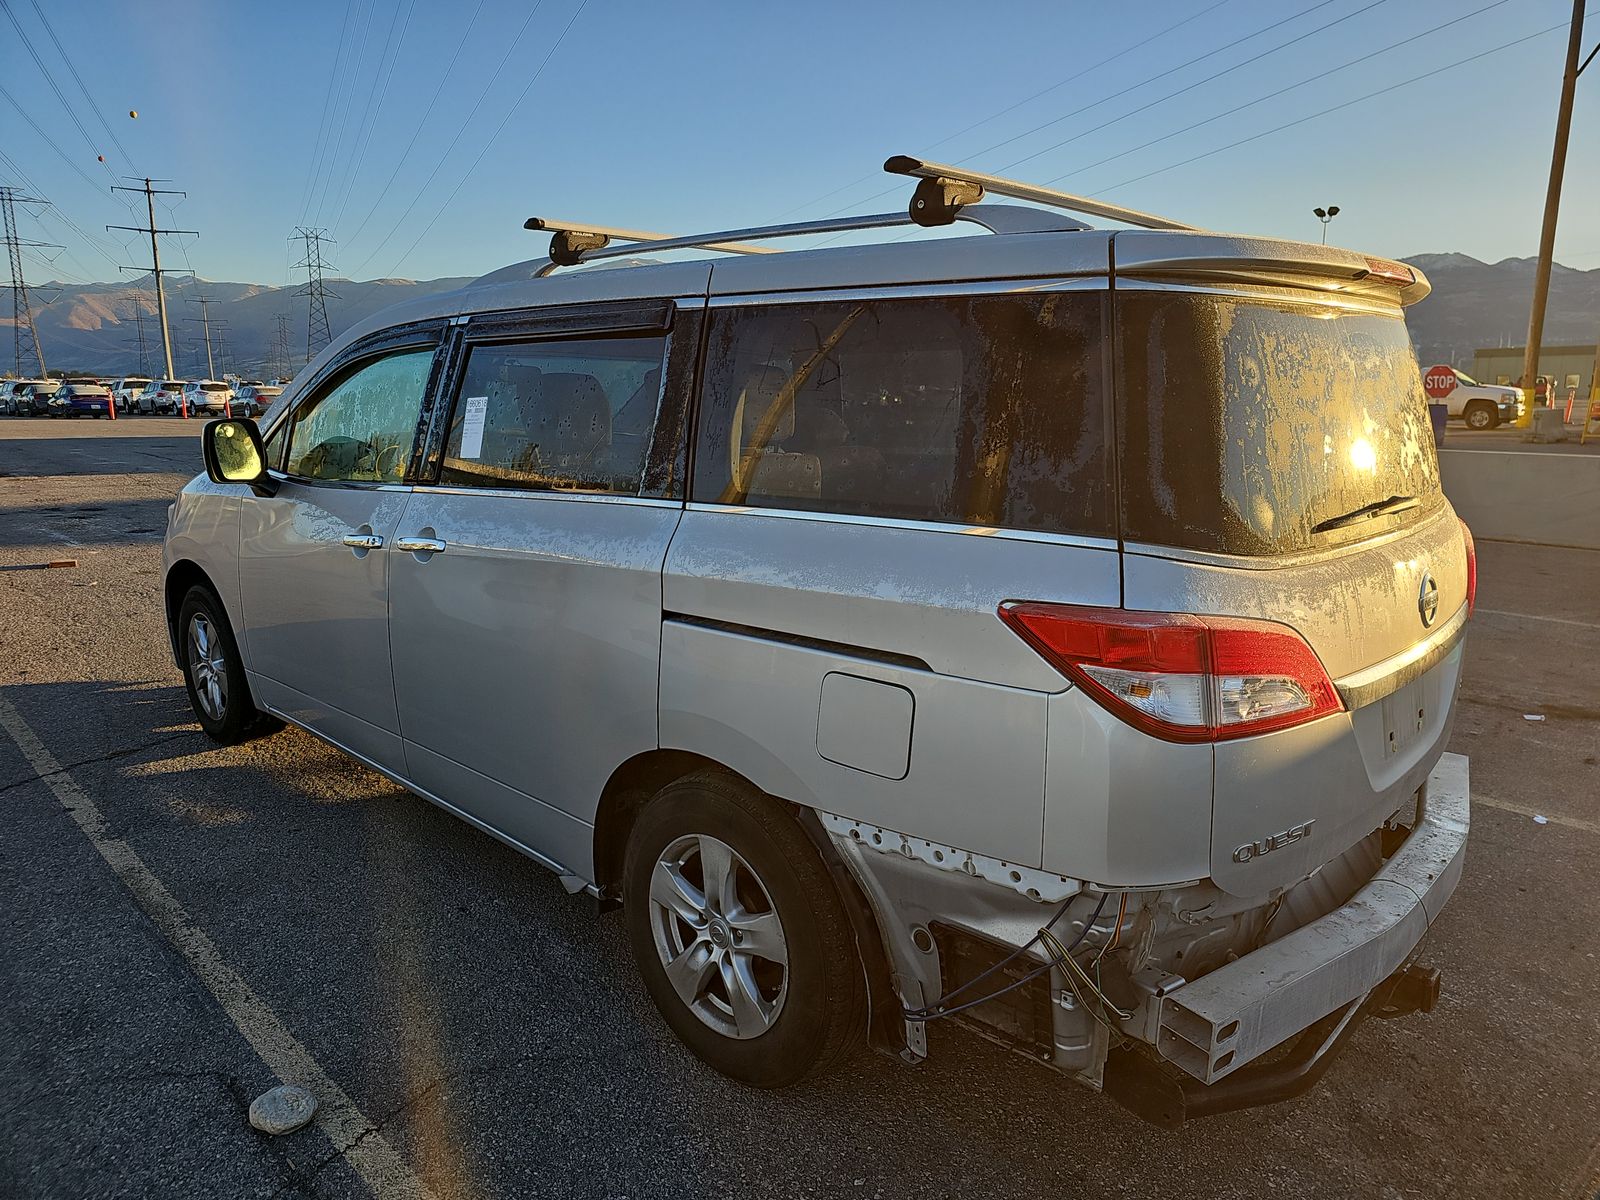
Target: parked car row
{"points": [[80, 396], [74, 397]]}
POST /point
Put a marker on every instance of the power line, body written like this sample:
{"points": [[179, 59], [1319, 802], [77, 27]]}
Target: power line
{"points": [[415, 133], [318, 332], [1383, 91], [347, 91], [82, 87], [1299, 83], [25, 337], [1188, 88], [38, 61], [460, 129], [510, 112], [994, 116], [364, 139], [37, 128], [1133, 87], [333, 76]]}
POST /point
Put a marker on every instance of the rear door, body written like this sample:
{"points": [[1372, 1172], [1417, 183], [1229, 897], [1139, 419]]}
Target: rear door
{"points": [[525, 585], [1277, 462]]}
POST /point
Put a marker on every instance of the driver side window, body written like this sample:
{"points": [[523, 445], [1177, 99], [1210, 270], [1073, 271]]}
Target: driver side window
{"points": [[363, 428]]}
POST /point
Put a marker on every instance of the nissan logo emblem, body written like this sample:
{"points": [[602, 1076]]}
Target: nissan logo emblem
{"points": [[1428, 599]]}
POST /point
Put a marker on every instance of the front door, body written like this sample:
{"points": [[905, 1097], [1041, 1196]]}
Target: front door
{"points": [[525, 582], [313, 566]]}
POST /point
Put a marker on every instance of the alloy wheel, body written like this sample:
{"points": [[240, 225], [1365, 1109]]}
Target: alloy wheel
{"points": [[719, 936], [208, 667]]}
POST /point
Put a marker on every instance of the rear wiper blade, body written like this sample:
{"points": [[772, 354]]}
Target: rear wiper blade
{"points": [[1378, 508]]}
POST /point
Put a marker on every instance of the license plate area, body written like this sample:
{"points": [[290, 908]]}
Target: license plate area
{"points": [[1405, 716]]}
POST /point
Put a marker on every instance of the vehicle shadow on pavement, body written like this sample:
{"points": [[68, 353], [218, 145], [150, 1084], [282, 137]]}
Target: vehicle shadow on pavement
{"points": [[109, 454], [103, 523]]}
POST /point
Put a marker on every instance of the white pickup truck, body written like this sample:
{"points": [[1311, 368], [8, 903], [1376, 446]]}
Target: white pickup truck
{"points": [[1480, 405]]}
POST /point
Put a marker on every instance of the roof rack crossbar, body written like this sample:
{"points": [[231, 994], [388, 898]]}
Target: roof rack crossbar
{"points": [[594, 242], [918, 168]]}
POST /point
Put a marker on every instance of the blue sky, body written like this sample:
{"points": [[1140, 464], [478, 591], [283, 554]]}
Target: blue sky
{"points": [[694, 115]]}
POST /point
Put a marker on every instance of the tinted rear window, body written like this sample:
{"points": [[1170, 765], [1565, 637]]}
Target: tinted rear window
{"points": [[1245, 424], [980, 410]]}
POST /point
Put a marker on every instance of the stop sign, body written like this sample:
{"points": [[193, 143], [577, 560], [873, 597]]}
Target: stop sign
{"points": [[1439, 382]]}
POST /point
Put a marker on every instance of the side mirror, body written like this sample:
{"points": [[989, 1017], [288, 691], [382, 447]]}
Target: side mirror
{"points": [[234, 454]]}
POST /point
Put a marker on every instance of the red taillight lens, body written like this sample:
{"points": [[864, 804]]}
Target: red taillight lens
{"points": [[1389, 271], [1181, 677], [1472, 568]]}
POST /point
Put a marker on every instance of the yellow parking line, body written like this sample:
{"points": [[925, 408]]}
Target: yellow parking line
{"points": [[367, 1151]]}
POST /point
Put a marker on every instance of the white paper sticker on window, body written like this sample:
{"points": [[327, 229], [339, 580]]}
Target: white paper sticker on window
{"points": [[472, 426]]}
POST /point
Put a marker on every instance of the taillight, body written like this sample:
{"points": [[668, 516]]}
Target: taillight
{"points": [[1389, 271], [1181, 677], [1472, 568]]}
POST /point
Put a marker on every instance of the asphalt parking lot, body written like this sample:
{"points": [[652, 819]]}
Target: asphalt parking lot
{"points": [[476, 1031]]}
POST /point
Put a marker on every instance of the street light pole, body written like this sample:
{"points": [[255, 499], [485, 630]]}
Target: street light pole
{"points": [[1552, 203], [1325, 215]]}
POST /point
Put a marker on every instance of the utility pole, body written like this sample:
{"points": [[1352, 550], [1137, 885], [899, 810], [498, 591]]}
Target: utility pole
{"points": [[1552, 202], [318, 334], [25, 337], [205, 302], [150, 195]]}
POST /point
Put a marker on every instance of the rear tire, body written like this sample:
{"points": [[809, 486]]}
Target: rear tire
{"points": [[213, 673], [739, 933], [1481, 415]]}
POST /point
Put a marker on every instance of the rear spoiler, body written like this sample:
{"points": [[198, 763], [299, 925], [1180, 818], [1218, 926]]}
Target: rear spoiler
{"points": [[1220, 258]]}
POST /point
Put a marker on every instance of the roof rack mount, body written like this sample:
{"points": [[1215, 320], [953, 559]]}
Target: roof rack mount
{"points": [[945, 194], [946, 189]]}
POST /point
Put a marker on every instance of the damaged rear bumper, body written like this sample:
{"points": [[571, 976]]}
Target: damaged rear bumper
{"points": [[1318, 982]]}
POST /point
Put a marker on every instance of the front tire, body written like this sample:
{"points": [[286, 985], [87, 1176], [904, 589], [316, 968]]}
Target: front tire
{"points": [[1481, 415], [740, 934], [213, 673]]}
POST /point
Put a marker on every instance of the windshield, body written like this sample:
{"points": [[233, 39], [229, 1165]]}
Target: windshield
{"points": [[213, 387], [1249, 427]]}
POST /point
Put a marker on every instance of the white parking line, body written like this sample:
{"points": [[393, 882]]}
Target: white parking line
{"points": [[367, 1151], [1522, 810], [1497, 612]]}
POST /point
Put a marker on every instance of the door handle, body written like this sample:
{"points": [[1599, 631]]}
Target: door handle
{"points": [[362, 541], [420, 545]]}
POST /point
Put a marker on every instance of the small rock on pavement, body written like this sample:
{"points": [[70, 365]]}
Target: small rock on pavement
{"points": [[283, 1109]]}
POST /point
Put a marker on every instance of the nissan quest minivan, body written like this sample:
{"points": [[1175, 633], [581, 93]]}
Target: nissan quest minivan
{"points": [[1054, 631]]}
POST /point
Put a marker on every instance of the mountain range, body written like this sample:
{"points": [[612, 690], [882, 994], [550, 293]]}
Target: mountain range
{"points": [[92, 327]]}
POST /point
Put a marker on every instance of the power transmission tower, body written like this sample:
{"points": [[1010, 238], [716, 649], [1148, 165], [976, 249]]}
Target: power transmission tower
{"points": [[280, 347], [137, 315], [205, 302], [318, 334], [25, 337], [150, 195]]}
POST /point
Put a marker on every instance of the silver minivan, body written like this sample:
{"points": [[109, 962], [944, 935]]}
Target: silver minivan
{"points": [[1054, 631]]}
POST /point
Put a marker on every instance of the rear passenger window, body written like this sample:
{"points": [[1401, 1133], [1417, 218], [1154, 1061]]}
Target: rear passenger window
{"points": [[980, 410], [556, 415]]}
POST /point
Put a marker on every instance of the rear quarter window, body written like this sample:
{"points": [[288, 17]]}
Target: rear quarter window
{"points": [[976, 410]]}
